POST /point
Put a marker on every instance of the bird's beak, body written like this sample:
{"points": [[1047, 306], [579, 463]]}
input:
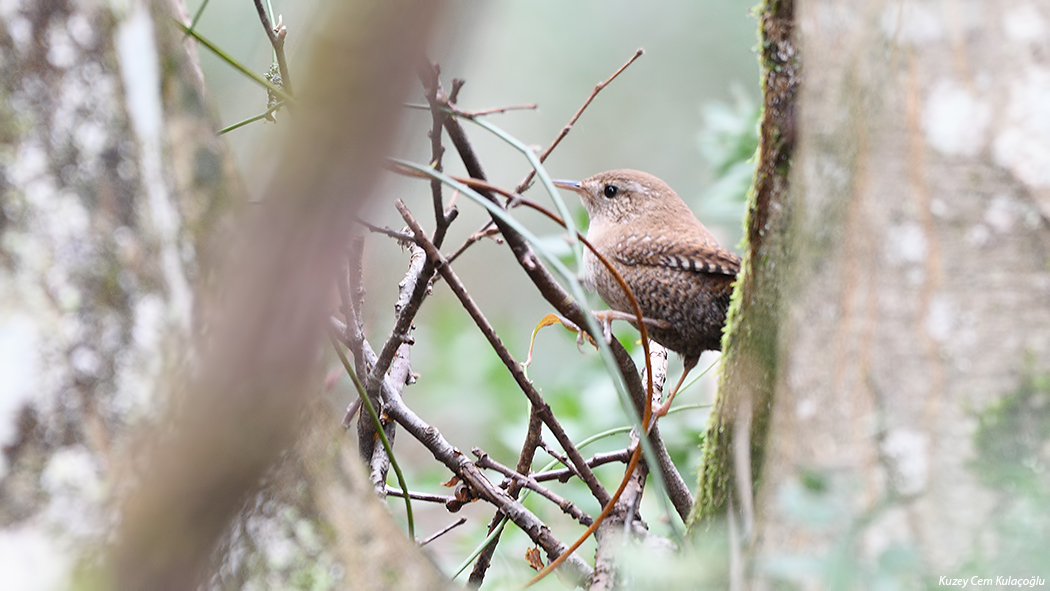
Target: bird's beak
{"points": [[570, 185]]}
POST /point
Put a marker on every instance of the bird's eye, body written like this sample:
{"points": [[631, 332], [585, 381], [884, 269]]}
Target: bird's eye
{"points": [[610, 191]]}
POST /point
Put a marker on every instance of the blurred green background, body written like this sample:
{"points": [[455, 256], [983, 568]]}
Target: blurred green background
{"points": [[685, 111]]}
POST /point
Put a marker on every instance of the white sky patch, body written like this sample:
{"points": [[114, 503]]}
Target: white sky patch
{"points": [[1024, 24], [1023, 146], [912, 22], [31, 560], [906, 243], [955, 120], [19, 368], [906, 451], [940, 320], [61, 52], [73, 482], [1000, 214], [19, 27], [139, 71]]}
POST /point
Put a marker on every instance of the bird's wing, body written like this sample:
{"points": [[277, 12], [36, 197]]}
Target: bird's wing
{"points": [[698, 256]]}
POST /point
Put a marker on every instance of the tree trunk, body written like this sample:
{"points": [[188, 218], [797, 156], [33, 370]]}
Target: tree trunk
{"points": [[749, 360], [910, 425], [106, 162]]}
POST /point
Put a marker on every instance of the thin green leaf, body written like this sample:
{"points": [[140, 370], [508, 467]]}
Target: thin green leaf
{"points": [[367, 403], [240, 124], [545, 179], [277, 90], [197, 15]]}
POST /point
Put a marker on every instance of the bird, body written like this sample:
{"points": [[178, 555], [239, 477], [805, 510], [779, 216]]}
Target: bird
{"points": [[680, 275]]}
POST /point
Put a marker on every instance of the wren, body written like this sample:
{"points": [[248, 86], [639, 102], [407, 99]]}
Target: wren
{"points": [[680, 275]]}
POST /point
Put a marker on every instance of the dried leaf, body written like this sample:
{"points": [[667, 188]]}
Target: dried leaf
{"points": [[533, 557], [548, 320]]}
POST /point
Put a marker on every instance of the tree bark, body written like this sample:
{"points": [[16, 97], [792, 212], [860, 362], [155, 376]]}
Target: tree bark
{"points": [[112, 182], [735, 440], [909, 426]]}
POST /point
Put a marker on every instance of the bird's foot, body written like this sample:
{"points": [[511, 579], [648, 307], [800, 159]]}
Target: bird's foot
{"points": [[606, 317], [688, 364]]}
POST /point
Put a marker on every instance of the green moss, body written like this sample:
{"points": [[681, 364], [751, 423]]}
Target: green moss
{"points": [[1012, 452], [1012, 438], [750, 341]]}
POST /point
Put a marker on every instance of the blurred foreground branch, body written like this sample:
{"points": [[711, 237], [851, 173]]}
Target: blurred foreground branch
{"points": [[244, 399]]}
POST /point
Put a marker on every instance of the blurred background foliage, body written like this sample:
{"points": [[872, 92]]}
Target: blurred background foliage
{"points": [[685, 111]]}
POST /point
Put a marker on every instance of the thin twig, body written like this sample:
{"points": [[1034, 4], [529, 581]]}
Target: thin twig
{"points": [[277, 90], [568, 127], [471, 114], [366, 359], [356, 282], [636, 456], [430, 74], [351, 412], [276, 37], [528, 453], [495, 110], [399, 236], [475, 237], [413, 289], [564, 461], [564, 474], [524, 184], [444, 531], [382, 436], [351, 294], [525, 458], [486, 461], [419, 496]]}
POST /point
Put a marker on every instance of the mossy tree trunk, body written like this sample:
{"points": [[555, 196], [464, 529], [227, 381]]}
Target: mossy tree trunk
{"points": [[909, 412], [749, 362]]}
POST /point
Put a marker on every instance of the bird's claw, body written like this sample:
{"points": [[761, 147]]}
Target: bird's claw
{"points": [[605, 318]]}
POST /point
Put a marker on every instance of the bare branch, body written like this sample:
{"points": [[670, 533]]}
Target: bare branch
{"points": [[486, 461], [508, 360], [399, 236], [443, 531], [525, 458], [564, 474], [452, 458], [276, 36], [430, 74], [392, 491], [412, 289], [568, 127]]}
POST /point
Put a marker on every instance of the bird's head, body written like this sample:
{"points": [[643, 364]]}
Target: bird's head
{"points": [[625, 197]]}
